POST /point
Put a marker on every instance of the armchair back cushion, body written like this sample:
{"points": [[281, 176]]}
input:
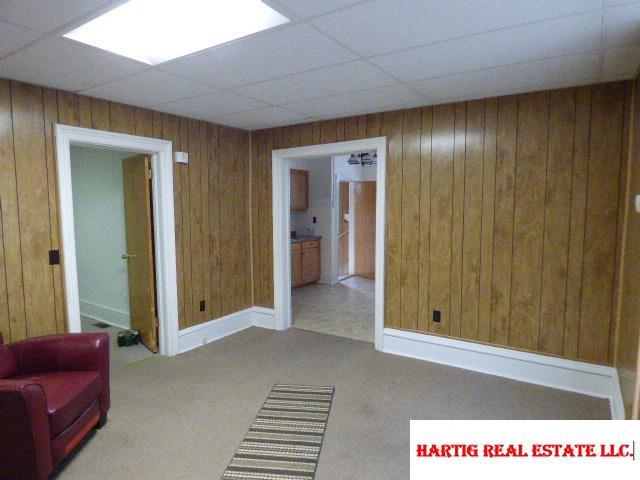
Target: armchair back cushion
{"points": [[7, 361]]}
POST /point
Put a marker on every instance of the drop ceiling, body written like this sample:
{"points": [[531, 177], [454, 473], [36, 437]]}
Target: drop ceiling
{"points": [[337, 57]]}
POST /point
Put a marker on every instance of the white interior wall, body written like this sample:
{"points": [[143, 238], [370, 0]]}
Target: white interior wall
{"points": [[98, 212]]}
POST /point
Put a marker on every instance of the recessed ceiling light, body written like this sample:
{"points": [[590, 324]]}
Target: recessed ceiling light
{"points": [[155, 31]]}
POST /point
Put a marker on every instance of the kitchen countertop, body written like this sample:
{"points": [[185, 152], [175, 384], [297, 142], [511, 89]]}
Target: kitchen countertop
{"points": [[306, 238]]}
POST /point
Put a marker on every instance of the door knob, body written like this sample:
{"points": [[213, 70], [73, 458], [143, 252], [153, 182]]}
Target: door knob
{"points": [[127, 256]]}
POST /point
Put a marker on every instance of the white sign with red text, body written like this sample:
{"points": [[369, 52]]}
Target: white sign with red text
{"points": [[502, 449]]}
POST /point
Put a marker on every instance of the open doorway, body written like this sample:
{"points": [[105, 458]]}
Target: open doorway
{"points": [[114, 245], [332, 217], [282, 267], [151, 170]]}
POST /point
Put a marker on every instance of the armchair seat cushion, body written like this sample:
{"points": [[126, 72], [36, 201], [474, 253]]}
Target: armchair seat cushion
{"points": [[68, 394]]}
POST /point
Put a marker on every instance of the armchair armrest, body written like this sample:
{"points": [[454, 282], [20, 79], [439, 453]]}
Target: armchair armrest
{"points": [[25, 448], [74, 351]]}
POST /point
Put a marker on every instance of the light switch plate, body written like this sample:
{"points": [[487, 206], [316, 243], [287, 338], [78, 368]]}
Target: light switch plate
{"points": [[637, 203], [181, 157]]}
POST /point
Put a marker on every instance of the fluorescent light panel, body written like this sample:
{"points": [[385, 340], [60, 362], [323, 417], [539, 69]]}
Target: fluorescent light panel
{"points": [[156, 31]]}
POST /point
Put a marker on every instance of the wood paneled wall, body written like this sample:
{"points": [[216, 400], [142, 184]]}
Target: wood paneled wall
{"points": [[211, 206], [502, 213], [627, 351]]}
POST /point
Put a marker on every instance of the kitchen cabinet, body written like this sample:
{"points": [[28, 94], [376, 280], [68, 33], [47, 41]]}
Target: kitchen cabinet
{"points": [[305, 262], [296, 265], [299, 190]]}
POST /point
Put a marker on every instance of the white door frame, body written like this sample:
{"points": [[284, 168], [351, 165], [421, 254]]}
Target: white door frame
{"points": [[281, 223], [163, 215]]}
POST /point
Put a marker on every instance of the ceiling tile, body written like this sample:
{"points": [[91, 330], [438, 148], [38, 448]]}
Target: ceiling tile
{"points": [[347, 77], [310, 8], [13, 37], [262, 118], [148, 88], [389, 25], [622, 25], [46, 15], [211, 105], [282, 52], [64, 64], [611, 3], [573, 68], [621, 62], [514, 91], [366, 101], [552, 38]]}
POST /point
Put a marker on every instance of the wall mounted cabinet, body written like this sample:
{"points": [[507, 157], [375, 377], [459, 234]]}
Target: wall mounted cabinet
{"points": [[299, 190]]}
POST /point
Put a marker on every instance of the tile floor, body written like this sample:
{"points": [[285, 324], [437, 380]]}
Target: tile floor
{"points": [[345, 309]]}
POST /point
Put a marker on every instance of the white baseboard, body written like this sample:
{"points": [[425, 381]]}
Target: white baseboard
{"points": [[198, 335], [580, 377], [102, 313], [586, 378], [616, 399], [263, 317]]}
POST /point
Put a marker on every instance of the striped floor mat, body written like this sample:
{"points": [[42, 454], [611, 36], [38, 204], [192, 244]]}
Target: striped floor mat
{"points": [[284, 441]]}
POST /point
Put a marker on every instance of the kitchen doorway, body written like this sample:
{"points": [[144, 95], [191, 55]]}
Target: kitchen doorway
{"points": [[284, 164]]}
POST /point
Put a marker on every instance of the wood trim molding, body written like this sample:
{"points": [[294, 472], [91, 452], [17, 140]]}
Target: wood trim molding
{"points": [[563, 374], [554, 372], [204, 333]]}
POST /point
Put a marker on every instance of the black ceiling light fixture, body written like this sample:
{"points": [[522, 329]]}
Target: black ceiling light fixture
{"points": [[363, 159]]}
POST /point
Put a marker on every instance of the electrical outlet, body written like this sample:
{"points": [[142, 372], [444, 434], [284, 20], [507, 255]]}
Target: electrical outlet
{"points": [[203, 305], [436, 316], [54, 257]]}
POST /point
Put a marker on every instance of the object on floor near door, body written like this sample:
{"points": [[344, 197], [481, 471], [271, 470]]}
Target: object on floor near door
{"points": [[126, 338]]}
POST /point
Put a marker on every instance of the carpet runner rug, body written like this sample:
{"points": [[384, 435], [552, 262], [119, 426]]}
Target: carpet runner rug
{"points": [[285, 439]]}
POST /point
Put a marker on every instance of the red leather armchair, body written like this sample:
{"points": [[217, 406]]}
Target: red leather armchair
{"points": [[53, 391]]}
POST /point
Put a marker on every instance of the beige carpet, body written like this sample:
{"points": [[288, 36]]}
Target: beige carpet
{"points": [[184, 417], [345, 309]]}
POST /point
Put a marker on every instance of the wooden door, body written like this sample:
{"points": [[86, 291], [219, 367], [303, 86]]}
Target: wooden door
{"points": [[296, 265], [139, 254], [310, 258], [365, 228], [343, 231], [299, 190]]}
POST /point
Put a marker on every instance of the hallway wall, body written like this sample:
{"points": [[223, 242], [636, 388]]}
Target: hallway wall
{"points": [[211, 206], [627, 346], [503, 214]]}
